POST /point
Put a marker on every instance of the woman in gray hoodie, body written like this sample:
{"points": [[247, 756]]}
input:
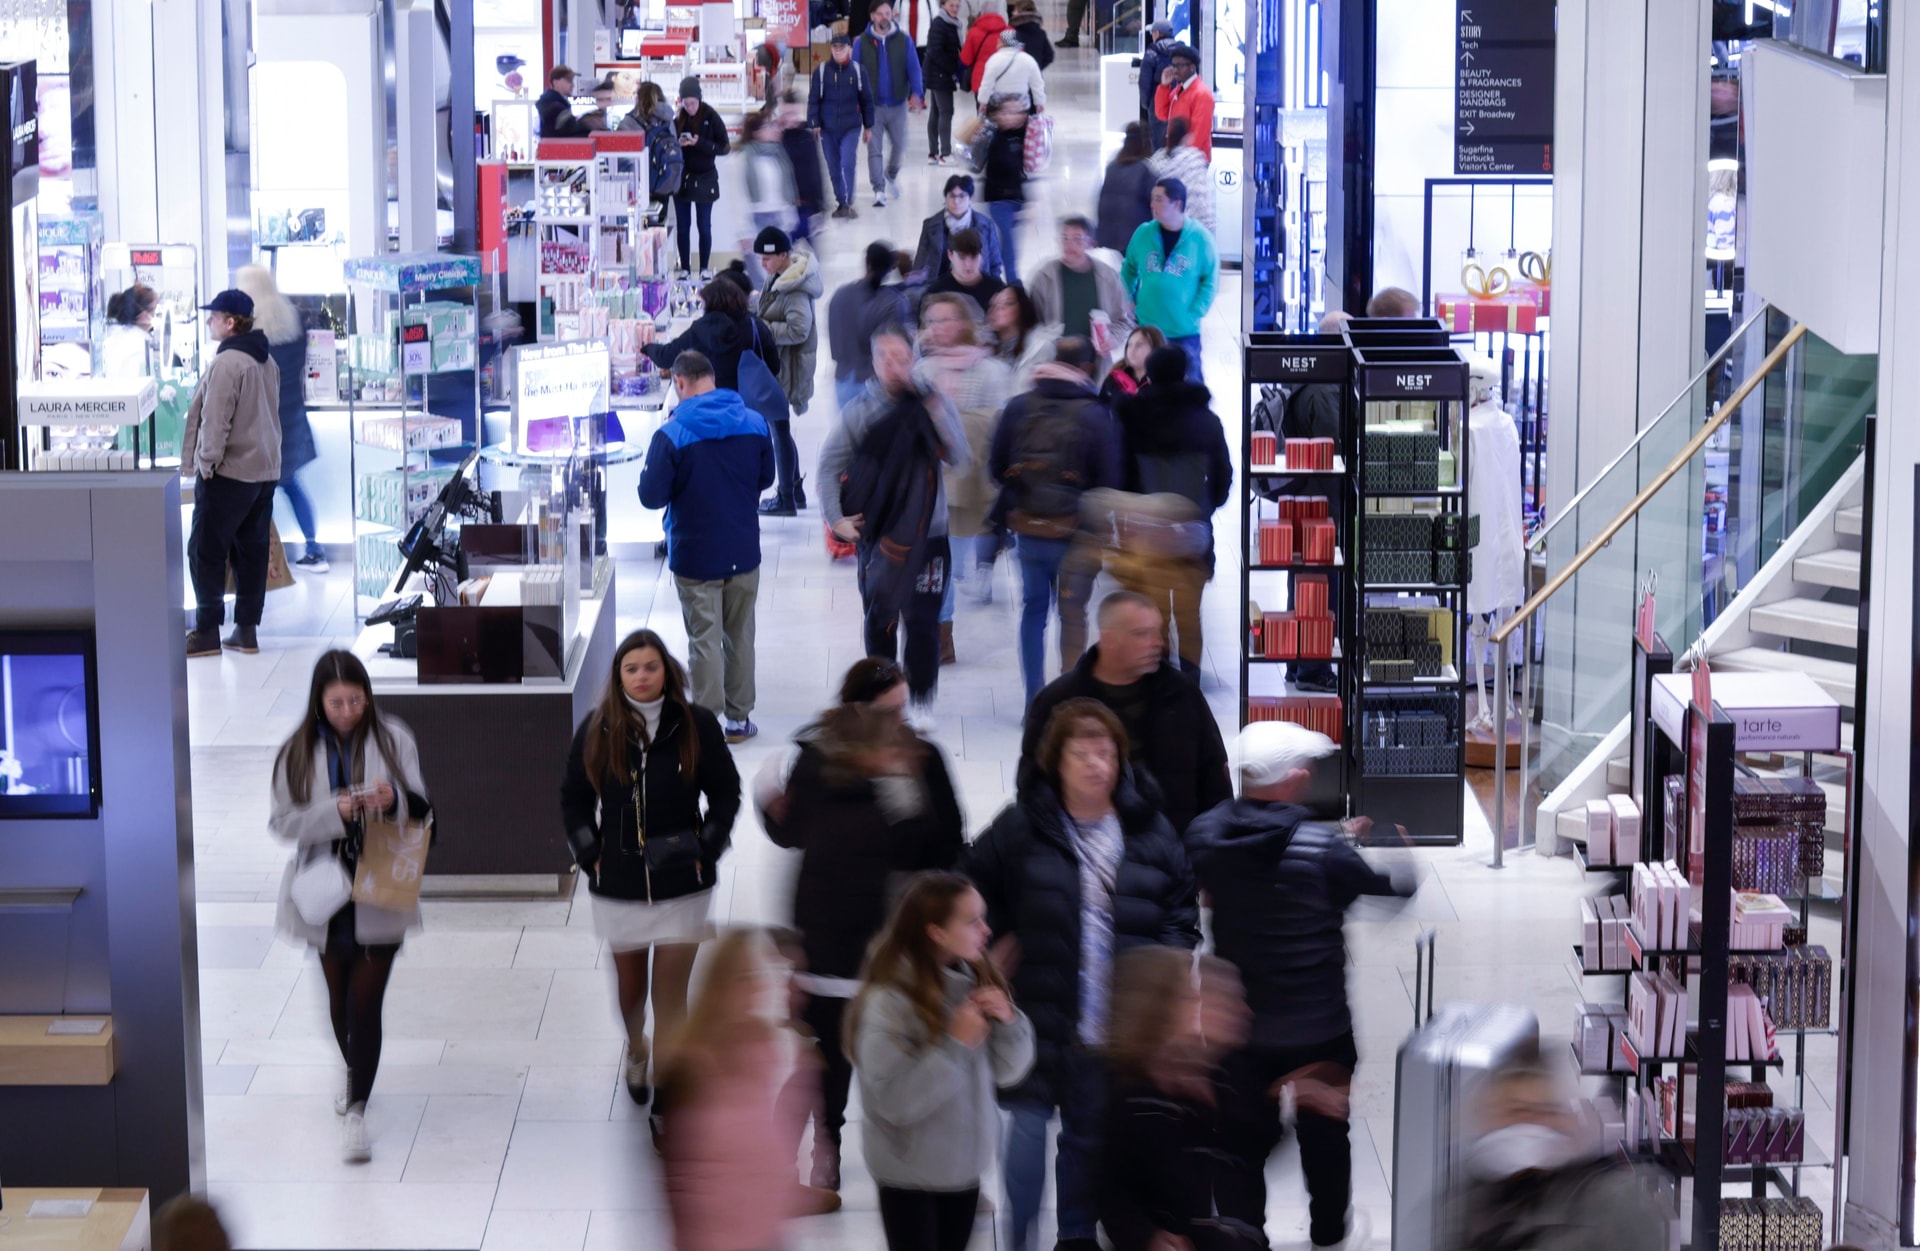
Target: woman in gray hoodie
{"points": [[934, 1032]]}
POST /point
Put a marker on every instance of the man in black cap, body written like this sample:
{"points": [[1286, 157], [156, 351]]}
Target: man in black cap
{"points": [[788, 303], [232, 451], [1183, 93], [555, 106]]}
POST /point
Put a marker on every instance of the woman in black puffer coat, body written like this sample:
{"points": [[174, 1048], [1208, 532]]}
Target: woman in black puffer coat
{"points": [[640, 766], [1079, 845], [725, 332]]}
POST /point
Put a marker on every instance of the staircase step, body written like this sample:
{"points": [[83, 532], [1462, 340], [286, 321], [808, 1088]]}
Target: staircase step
{"points": [[1809, 620], [1850, 520], [1836, 677], [1839, 567], [1619, 776]]}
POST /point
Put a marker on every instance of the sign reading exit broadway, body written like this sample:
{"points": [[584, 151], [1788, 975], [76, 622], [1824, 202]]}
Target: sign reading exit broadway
{"points": [[1503, 87]]}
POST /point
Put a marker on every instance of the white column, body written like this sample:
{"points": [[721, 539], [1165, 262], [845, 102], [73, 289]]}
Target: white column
{"points": [[414, 99]]}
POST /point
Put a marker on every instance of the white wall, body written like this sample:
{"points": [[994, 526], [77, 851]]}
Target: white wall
{"points": [[1413, 130]]}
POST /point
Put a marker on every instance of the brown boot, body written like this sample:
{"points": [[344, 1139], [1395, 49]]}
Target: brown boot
{"points": [[946, 643]]}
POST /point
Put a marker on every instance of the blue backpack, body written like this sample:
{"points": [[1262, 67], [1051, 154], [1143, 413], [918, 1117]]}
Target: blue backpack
{"points": [[666, 164]]}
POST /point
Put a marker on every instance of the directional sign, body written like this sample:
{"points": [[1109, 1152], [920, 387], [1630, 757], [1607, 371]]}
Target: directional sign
{"points": [[1503, 87]]}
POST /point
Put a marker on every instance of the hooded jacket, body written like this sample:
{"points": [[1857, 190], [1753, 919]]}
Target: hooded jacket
{"points": [[983, 40], [1171, 292], [1183, 752], [604, 827], [1281, 884], [1174, 442], [891, 64], [722, 338], [707, 466], [861, 418], [788, 305], [942, 69], [1033, 37], [1025, 868], [839, 97], [930, 254], [233, 423], [854, 313]]}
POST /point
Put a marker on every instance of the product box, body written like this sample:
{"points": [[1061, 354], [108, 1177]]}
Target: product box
{"points": [[1785, 712], [1266, 448]]}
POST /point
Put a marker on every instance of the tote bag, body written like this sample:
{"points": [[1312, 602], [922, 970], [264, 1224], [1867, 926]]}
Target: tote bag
{"points": [[758, 387]]}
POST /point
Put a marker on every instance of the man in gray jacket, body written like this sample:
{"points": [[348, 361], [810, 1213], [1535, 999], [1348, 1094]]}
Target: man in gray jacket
{"points": [[232, 451], [1070, 291]]}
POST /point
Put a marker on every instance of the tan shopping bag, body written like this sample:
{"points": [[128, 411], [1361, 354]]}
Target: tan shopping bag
{"points": [[393, 856], [279, 576]]}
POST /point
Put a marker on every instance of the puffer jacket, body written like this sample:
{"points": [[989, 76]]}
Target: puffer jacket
{"points": [[233, 424], [1025, 868], [983, 40], [1174, 442], [1033, 37], [941, 67], [1125, 203], [605, 827], [788, 305], [1281, 884]]}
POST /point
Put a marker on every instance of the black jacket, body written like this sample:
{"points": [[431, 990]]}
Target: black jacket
{"points": [[854, 312], [723, 338], [853, 855], [1312, 412], [1157, 1167], [601, 827], [556, 116], [1184, 753], [701, 183], [1025, 868], [941, 68], [1033, 40], [1175, 442], [1125, 203], [1005, 175], [809, 176], [1281, 884]]}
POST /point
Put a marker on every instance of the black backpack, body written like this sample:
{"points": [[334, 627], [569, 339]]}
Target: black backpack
{"points": [[1046, 476]]}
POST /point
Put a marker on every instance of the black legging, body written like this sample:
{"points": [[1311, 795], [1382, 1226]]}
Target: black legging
{"points": [[682, 212], [928, 1220], [823, 1016], [786, 462], [356, 989]]}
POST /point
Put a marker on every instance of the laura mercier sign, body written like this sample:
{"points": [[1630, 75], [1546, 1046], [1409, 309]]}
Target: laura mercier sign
{"points": [[1503, 87]]}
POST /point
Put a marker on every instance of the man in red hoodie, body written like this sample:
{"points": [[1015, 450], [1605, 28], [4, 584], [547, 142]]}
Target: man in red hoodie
{"points": [[1183, 93]]}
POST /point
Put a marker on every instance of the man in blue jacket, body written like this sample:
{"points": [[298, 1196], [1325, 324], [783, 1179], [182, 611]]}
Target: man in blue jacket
{"points": [[888, 59], [708, 466], [839, 111]]}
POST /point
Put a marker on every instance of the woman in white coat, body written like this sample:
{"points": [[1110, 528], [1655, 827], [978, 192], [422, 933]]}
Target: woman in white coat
{"points": [[1012, 71], [344, 764]]}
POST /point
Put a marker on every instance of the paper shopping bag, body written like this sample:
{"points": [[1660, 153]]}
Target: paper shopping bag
{"points": [[393, 856], [279, 576]]}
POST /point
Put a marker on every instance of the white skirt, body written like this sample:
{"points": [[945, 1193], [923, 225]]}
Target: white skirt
{"points": [[633, 924]]}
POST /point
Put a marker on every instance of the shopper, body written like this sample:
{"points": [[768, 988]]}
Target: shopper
{"points": [[983, 41], [231, 449], [1181, 158], [859, 310], [703, 141], [1183, 93], [936, 232], [966, 372], [769, 175], [1011, 71], [966, 273], [934, 1032], [1393, 302], [802, 147], [1080, 293], [345, 766], [1126, 191], [1176, 445], [641, 765], [1172, 737], [1076, 871], [840, 110], [889, 62], [868, 801], [286, 334], [1281, 884], [723, 333], [1076, 19], [666, 161], [891, 444], [707, 466], [788, 306], [1127, 377], [726, 1147], [1172, 272], [1155, 60], [127, 349], [555, 106], [1004, 178], [1055, 443], [1018, 337], [1024, 18], [944, 76]]}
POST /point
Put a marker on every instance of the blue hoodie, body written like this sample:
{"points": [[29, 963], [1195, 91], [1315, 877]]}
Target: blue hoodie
{"points": [[707, 467]]}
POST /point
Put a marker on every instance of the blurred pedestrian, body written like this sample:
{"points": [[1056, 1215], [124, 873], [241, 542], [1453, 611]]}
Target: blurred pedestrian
{"points": [[286, 333], [642, 764], [1055, 443], [1011, 71], [965, 371], [944, 75], [724, 332], [1281, 883], [934, 1033], [1126, 191], [1130, 374], [1172, 738], [868, 801], [802, 147], [1183, 93], [189, 1223], [727, 1145], [789, 305], [966, 272], [936, 232], [859, 310], [1079, 869], [840, 111], [1019, 338], [1393, 302], [891, 66], [771, 195], [555, 106], [1181, 158], [1024, 17], [1154, 62], [703, 141], [1172, 271], [1004, 180], [1080, 293], [982, 42]]}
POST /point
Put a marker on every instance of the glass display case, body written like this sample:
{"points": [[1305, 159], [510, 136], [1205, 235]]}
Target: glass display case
{"points": [[73, 301], [169, 351], [1284, 166]]}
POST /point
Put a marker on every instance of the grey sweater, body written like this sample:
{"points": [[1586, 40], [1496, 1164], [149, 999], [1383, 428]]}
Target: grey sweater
{"points": [[932, 1117], [865, 412]]}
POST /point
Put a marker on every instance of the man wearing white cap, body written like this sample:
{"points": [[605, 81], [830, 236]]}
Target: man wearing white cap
{"points": [[1281, 883]]}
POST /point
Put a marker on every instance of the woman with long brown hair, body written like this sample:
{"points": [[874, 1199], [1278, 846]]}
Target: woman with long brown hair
{"points": [[345, 764], [934, 1034], [640, 766]]}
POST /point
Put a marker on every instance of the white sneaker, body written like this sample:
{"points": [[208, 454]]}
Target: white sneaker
{"points": [[893, 187], [879, 199], [341, 1100], [920, 718], [355, 1147]]}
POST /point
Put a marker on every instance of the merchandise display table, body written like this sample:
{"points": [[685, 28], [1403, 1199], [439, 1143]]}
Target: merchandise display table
{"points": [[56, 1051], [85, 1219], [494, 754]]}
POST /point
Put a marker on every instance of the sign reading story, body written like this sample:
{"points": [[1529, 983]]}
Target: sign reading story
{"points": [[1503, 87]]}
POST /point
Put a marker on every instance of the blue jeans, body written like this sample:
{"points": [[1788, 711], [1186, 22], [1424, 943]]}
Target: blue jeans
{"points": [[302, 505], [1081, 1099], [1191, 342], [841, 148], [1047, 576], [1006, 215]]}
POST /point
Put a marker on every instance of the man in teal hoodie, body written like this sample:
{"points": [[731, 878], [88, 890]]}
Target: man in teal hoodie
{"points": [[1172, 271]]}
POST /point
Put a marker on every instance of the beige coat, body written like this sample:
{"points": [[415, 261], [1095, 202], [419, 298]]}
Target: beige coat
{"points": [[233, 424]]}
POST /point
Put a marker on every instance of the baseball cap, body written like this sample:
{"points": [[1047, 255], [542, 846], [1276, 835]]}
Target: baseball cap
{"points": [[233, 303], [1267, 751], [772, 241], [841, 40], [1162, 27]]}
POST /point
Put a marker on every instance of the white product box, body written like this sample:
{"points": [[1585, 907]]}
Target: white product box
{"points": [[1771, 711]]}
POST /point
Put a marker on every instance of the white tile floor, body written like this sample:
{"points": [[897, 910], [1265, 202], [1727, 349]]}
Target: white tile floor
{"points": [[497, 1120]]}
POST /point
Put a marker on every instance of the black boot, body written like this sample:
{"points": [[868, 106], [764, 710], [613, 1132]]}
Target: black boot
{"points": [[800, 491], [243, 640], [777, 507]]}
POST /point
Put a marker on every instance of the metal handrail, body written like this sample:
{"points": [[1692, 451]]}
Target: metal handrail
{"points": [[1502, 677], [1713, 362]]}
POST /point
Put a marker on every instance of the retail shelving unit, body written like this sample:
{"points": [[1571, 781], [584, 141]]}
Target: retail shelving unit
{"points": [[411, 319], [173, 271], [73, 302], [590, 203]]}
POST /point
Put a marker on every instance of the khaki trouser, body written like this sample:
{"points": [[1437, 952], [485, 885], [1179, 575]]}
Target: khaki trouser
{"points": [[719, 619]]}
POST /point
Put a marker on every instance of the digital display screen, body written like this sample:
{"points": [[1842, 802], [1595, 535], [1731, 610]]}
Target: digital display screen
{"points": [[49, 736]]}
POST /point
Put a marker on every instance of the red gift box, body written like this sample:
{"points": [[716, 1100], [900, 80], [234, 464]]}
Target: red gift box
{"points": [[1276, 542], [1266, 447], [1282, 636], [1516, 312], [1315, 638], [1310, 453], [1317, 541], [1310, 596]]}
